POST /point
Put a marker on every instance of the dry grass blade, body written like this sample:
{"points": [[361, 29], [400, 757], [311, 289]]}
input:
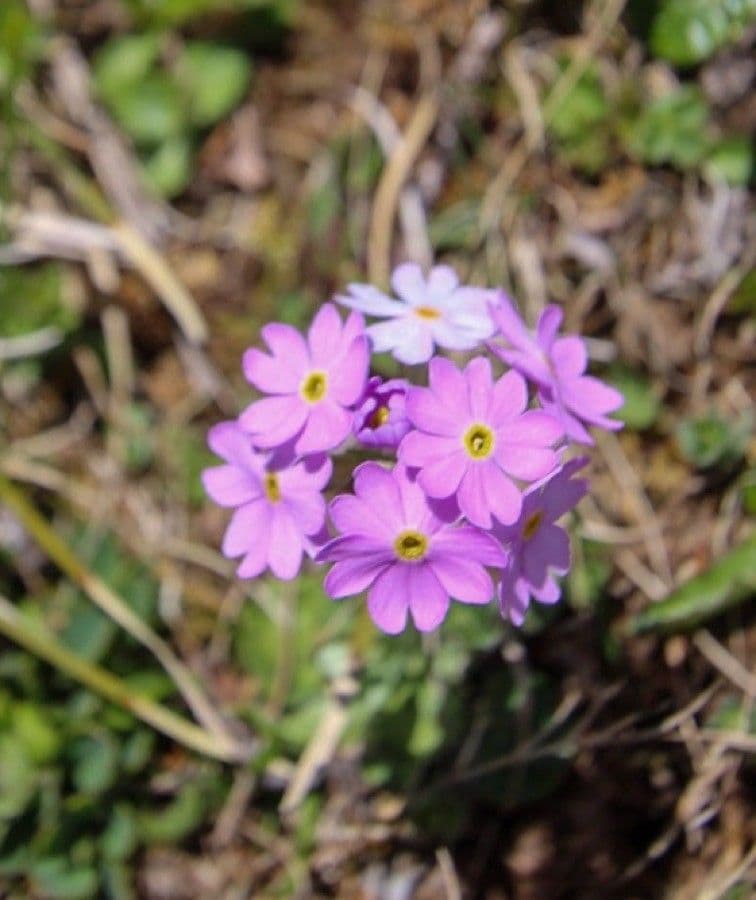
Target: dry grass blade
{"points": [[389, 188], [112, 605], [158, 274], [38, 641]]}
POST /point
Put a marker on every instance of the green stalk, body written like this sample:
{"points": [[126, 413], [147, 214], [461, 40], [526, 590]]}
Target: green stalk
{"points": [[37, 640]]}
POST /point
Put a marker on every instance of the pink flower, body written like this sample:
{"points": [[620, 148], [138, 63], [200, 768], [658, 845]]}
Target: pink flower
{"points": [[380, 419], [473, 436], [437, 310], [278, 511], [557, 366], [395, 545], [538, 547], [313, 383]]}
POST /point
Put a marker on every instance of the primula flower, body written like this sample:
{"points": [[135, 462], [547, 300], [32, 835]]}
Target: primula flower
{"points": [[436, 310], [380, 419], [474, 436], [312, 382], [538, 547], [278, 511], [395, 544], [557, 366]]}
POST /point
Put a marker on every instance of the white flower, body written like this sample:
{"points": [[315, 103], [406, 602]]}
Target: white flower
{"points": [[437, 310]]}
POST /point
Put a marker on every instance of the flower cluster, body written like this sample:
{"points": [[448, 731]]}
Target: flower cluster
{"points": [[480, 476]]}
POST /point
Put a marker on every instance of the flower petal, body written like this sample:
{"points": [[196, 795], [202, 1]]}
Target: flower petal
{"points": [[352, 576], [504, 499], [285, 549], [548, 325], [462, 578], [249, 526], [470, 543], [307, 510], [442, 280], [568, 354], [472, 497], [407, 338], [480, 387], [426, 413], [351, 515], [287, 345], [348, 374], [229, 441], [448, 387], [510, 324], [230, 485], [510, 397], [421, 449], [514, 597], [409, 283], [324, 336], [327, 426], [371, 301], [533, 427], [378, 488], [388, 600], [442, 477], [428, 601], [526, 462], [274, 420], [269, 374]]}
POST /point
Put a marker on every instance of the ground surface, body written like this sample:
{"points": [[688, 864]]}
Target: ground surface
{"points": [[577, 758]]}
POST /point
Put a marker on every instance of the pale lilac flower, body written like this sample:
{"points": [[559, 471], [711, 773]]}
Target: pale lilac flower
{"points": [[473, 436], [539, 548], [312, 383], [380, 419], [279, 513], [557, 365], [433, 310], [395, 545]]}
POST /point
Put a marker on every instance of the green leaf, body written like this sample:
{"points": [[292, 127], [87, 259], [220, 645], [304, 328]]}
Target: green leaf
{"points": [[711, 441], [732, 161], [31, 299], [672, 129], [686, 32], [95, 763], [177, 820], [456, 227], [121, 836], [34, 727], [215, 78], [56, 879], [124, 62], [169, 169], [151, 111], [725, 584], [642, 404]]}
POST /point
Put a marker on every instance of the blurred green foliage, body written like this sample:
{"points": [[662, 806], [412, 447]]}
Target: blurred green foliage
{"points": [[712, 441], [686, 32], [164, 107], [590, 128], [727, 583]]}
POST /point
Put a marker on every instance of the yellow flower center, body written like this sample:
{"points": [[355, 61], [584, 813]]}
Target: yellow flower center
{"points": [[314, 386], [427, 312], [379, 417], [532, 524], [411, 545], [271, 487], [479, 441]]}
